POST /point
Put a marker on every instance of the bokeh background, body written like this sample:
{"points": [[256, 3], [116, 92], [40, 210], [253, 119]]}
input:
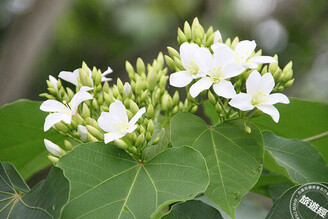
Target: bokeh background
{"points": [[42, 37]]}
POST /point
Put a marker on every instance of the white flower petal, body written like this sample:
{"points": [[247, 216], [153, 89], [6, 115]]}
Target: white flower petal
{"points": [[69, 77], [253, 83], [270, 110], [109, 137], [52, 106], [245, 48], [217, 46], [267, 83], [187, 53], [262, 59], [277, 98], [222, 56], [132, 128], [232, 70], [118, 110], [52, 148], [105, 122], [199, 86], [86, 88], [127, 89], [137, 116], [108, 71], [250, 65], [103, 79], [224, 89], [217, 37], [204, 60], [53, 81], [180, 79], [54, 118], [83, 132], [78, 98], [242, 101]]}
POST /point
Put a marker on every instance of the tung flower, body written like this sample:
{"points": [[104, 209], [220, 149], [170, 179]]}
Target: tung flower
{"points": [[64, 112], [243, 51], [72, 77], [258, 95], [191, 59], [53, 81], [218, 67], [53, 148], [116, 121]]}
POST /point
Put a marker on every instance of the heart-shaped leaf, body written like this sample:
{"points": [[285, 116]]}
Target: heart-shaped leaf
{"points": [[108, 183], [44, 201], [234, 157]]}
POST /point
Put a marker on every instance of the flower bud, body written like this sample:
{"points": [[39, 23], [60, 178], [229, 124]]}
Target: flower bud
{"points": [[84, 78], [144, 95], [194, 109], [181, 37], [287, 75], [288, 67], [209, 32], [234, 42], [277, 74], [148, 136], [68, 145], [211, 97], [85, 110], [120, 86], [97, 77], [52, 91], [53, 159], [129, 69], [166, 102], [61, 127], [210, 40], [140, 140], [173, 52], [95, 105], [139, 85], [150, 127], [90, 138], [264, 70], [156, 140], [228, 42], [133, 107], [187, 30], [178, 63], [70, 93], [133, 150], [121, 144], [106, 87], [248, 129], [169, 61], [150, 111], [176, 98], [289, 83], [53, 148], [181, 107], [151, 80], [218, 107], [160, 59], [92, 122], [104, 108], [140, 66], [162, 82], [127, 89], [83, 131], [94, 132]]}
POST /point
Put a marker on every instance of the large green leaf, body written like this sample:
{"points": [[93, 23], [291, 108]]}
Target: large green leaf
{"points": [[21, 134], [194, 209], [293, 158], [107, 183], [45, 200], [300, 119], [234, 157]]}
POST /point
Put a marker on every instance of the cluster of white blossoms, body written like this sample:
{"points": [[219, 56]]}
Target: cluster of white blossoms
{"points": [[216, 69]]}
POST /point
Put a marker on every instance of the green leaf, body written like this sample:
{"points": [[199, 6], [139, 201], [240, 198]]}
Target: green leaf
{"points": [[193, 209], [295, 159], [210, 112], [300, 119], [107, 181], [45, 200], [21, 134], [278, 189], [164, 134], [234, 157]]}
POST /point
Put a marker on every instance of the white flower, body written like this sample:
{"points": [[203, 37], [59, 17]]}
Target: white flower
{"points": [[64, 112], [72, 77], [53, 81], [258, 95], [83, 132], [244, 50], [191, 58], [218, 67], [53, 148], [116, 121], [127, 89]]}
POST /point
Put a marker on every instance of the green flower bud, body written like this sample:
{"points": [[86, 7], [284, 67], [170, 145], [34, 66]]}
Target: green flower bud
{"points": [[178, 63], [120, 86], [133, 150], [85, 110], [264, 70], [95, 105], [121, 144], [140, 66], [156, 140], [277, 74], [100, 99], [173, 52], [228, 42], [133, 107], [167, 102], [91, 138], [61, 127], [62, 92], [115, 91], [175, 110], [287, 75], [169, 61], [95, 132], [211, 97], [150, 127], [181, 37], [140, 140], [48, 96], [237, 84], [273, 67], [279, 88], [176, 98], [92, 122], [235, 42], [194, 109], [210, 40], [127, 89], [162, 82], [160, 59], [181, 107], [104, 108], [106, 87], [70, 93], [248, 129], [144, 95], [186, 104], [85, 67], [129, 69], [151, 80], [52, 91], [209, 33], [85, 78], [130, 114], [97, 76], [146, 121], [187, 30], [288, 67], [150, 111], [53, 159], [139, 85], [218, 107], [142, 129], [289, 83], [68, 145], [49, 84], [148, 136]]}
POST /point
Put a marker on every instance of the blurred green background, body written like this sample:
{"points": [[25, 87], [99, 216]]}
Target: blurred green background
{"points": [[42, 37]]}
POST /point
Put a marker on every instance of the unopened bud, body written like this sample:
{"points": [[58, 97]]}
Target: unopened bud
{"points": [[148, 136], [289, 83], [119, 85], [248, 129], [68, 145], [127, 89], [178, 63], [140, 140], [218, 107], [84, 78], [287, 75], [130, 114], [53, 159], [288, 67], [95, 132], [150, 127], [235, 42], [181, 37], [144, 95], [139, 85], [151, 80], [150, 111], [166, 102], [277, 74], [187, 30], [169, 61], [121, 144], [175, 98], [85, 110], [156, 140], [91, 138], [175, 110], [194, 109], [211, 97], [61, 127], [133, 107], [140, 66], [53, 148], [173, 52]]}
